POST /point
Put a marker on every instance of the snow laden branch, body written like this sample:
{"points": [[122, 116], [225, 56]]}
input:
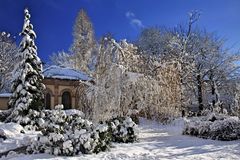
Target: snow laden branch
{"points": [[123, 85], [205, 67]]}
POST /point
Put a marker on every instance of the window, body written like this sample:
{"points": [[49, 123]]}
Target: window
{"points": [[48, 101], [66, 100]]}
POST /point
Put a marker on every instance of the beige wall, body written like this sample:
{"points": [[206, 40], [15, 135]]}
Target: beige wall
{"points": [[56, 89], [3, 103], [51, 87]]}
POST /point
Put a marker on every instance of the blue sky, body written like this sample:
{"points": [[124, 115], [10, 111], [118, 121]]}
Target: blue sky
{"points": [[53, 19]]}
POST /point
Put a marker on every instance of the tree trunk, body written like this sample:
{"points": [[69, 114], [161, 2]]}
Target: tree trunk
{"points": [[183, 107], [200, 96], [214, 90], [213, 95]]}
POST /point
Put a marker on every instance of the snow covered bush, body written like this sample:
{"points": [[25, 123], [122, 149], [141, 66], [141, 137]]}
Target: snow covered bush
{"points": [[123, 130], [226, 129], [213, 126], [69, 134]]}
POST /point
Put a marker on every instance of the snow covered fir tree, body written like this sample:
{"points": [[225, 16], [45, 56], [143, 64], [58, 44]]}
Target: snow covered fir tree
{"points": [[167, 94], [27, 84]]}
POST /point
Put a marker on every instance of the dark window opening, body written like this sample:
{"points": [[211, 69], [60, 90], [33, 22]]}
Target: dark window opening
{"points": [[48, 101], [66, 100]]}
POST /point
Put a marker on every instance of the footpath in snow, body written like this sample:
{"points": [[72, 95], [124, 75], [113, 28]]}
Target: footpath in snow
{"points": [[157, 142]]}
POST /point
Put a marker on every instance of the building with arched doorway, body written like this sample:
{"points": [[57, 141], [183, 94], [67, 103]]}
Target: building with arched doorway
{"points": [[61, 87]]}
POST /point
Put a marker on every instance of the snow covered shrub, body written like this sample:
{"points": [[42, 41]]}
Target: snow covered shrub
{"points": [[37, 120], [196, 127], [226, 129], [123, 130], [105, 138], [69, 134], [214, 126]]}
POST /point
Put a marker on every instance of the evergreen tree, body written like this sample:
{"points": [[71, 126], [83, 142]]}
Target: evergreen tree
{"points": [[27, 85], [84, 42]]}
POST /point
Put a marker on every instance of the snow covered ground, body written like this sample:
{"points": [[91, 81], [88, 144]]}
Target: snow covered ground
{"points": [[14, 136], [158, 142]]}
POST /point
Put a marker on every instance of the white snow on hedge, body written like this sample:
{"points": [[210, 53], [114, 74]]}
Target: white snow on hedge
{"points": [[158, 142], [74, 112], [214, 126], [59, 72]]}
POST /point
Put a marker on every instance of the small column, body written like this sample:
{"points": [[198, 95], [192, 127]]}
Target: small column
{"points": [[56, 92]]}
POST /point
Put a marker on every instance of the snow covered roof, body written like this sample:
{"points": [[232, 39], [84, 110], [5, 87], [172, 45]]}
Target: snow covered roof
{"points": [[58, 72], [5, 95]]}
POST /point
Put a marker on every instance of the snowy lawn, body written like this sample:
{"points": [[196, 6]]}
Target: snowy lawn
{"points": [[14, 136], [158, 142]]}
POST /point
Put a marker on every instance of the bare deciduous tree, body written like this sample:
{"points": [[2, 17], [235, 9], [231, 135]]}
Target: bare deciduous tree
{"points": [[62, 59], [8, 50]]}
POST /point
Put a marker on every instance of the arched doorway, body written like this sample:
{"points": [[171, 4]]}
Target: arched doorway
{"points": [[66, 100], [48, 100]]}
